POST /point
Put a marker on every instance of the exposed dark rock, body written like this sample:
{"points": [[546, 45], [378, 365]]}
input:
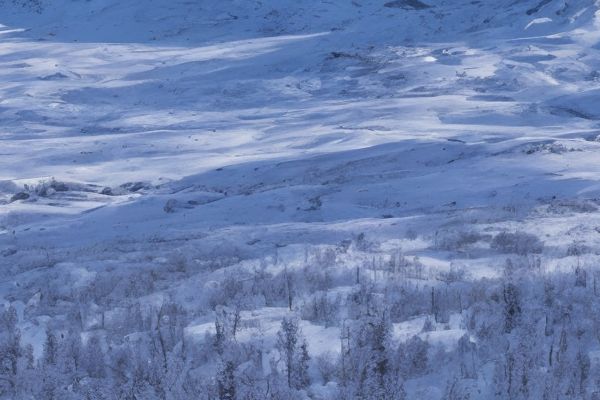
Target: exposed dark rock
{"points": [[19, 196], [407, 4]]}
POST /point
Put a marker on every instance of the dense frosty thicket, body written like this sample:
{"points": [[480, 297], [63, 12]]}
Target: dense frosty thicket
{"points": [[398, 327], [299, 199]]}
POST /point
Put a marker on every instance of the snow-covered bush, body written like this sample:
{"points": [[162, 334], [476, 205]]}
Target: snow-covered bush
{"points": [[521, 243], [323, 309], [327, 365], [456, 240]]}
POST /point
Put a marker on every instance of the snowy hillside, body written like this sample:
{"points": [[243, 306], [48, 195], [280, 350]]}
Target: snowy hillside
{"points": [[243, 199]]}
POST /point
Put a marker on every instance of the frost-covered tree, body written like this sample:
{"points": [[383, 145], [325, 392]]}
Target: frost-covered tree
{"points": [[50, 349], [368, 367], [292, 349], [94, 358], [10, 350], [512, 306], [226, 381]]}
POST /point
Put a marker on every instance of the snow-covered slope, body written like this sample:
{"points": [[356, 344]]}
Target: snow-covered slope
{"points": [[136, 134], [99, 94]]}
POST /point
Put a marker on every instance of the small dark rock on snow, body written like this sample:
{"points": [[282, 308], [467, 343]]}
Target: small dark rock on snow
{"points": [[19, 196], [407, 4]]}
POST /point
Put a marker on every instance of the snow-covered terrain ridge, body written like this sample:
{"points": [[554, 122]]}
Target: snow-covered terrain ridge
{"points": [[197, 141]]}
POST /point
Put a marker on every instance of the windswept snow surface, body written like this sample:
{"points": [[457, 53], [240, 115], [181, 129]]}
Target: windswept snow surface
{"points": [[135, 134]]}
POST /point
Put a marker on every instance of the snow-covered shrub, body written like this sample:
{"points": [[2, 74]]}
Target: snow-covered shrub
{"points": [[411, 234], [573, 206], [327, 365], [428, 325], [322, 308], [405, 301], [361, 243], [325, 257], [415, 354], [577, 249], [315, 278], [521, 243], [231, 289], [455, 274], [456, 240]]}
